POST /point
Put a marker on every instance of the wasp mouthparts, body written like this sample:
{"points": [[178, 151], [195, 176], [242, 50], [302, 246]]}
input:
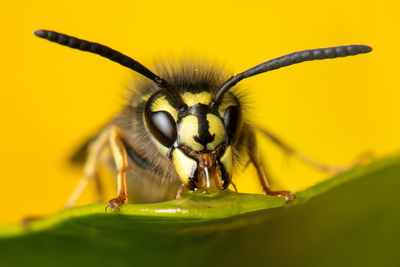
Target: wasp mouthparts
{"points": [[210, 175], [208, 178], [206, 171]]}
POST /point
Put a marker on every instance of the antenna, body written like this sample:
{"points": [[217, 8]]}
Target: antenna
{"points": [[290, 59], [110, 54]]}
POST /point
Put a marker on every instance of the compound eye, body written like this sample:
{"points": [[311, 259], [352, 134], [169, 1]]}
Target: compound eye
{"points": [[163, 127], [232, 121]]}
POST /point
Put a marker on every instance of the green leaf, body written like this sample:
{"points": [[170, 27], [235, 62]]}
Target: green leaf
{"points": [[352, 219]]}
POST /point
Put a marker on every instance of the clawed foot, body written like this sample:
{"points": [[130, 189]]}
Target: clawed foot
{"points": [[115, 203], [287, 195]]}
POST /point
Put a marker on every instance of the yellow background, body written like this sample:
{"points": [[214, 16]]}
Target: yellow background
{"points": [[53, 97]]}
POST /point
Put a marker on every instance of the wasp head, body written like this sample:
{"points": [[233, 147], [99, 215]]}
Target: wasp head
{"points": [[196, 136]]}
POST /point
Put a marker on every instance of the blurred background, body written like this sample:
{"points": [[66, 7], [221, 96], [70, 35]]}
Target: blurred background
{"points": [[52, 98]]}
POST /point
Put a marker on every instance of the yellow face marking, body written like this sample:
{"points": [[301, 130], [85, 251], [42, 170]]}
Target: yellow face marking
{"points": [[226, 160], [187, 129], [184, 166], [193, 99], [162, 104], [227, 101], [145, 97], [216, 128]]}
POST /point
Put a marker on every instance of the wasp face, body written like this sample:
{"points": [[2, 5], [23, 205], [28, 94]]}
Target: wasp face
{"points": [[197, 138]]}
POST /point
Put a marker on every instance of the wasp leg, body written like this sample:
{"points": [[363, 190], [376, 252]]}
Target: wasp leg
{"points": [[121, 161], [311, 162], [99, 189], [234, 186], [90, 169], [179, 191], [253, 154]]}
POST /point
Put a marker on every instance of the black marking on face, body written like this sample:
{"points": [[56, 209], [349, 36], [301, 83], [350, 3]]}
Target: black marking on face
{"points": [[224, 175], [191, 185], [204, 137]]}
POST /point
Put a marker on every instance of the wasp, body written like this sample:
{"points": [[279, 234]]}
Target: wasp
{"points": [[184, 129]]}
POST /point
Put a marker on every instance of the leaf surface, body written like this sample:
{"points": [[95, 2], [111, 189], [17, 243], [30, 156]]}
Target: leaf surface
{"points": [[352, 219]]}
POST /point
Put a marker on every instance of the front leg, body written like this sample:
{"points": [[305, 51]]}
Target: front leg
{"points": [[121, 161], [90, 170], [253, 154]]}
